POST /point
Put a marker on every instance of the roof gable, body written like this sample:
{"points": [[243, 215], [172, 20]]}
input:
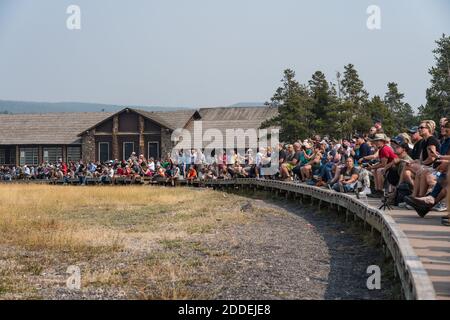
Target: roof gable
{"points": [[149, 115]]}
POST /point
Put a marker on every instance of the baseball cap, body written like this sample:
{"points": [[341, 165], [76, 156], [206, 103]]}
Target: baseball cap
{"points": [[413, 129], [399, 140]]}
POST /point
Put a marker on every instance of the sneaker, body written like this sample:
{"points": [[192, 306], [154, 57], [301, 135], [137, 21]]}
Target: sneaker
{"points": [[429, 200], [366, 191], [440, 207], [377, 194], [402, 205]]}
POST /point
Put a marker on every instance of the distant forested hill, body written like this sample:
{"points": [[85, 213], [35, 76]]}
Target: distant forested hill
{"points": [[46, 107]]}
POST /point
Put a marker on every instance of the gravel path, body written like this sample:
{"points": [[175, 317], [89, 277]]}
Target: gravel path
{"points": [[297, 254]]}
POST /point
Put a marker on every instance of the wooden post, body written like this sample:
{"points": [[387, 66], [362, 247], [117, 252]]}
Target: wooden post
{"points": [[115, 140], [64, 153], [40, 155], [141, 135], [17, 156]]}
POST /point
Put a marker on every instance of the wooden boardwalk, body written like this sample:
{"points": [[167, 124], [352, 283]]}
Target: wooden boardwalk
{"points": [[430, 241]]}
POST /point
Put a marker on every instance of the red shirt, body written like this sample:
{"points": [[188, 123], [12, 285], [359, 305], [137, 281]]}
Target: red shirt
{"points": [[387, 152], [64, 168]]}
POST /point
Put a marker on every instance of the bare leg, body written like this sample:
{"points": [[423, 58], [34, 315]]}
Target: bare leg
{"points": [[379, 178], [416, 189], [441, 196], [407, 177]]}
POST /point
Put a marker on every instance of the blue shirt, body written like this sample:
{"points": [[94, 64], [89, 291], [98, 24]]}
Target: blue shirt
{"points": [[445, 146]]}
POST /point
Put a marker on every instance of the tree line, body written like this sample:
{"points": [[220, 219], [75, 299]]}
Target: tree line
{"points": [[345, 108]]}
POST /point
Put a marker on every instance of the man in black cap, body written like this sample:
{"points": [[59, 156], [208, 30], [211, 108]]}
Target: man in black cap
{"points": [[361, 149], [417, 141], [398, 166]]}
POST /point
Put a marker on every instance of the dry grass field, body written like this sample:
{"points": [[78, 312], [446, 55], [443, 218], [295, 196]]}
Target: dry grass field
{"points": [[131, 242]]}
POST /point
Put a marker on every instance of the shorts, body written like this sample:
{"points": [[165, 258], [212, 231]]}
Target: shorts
{"points": [[290, 166]]}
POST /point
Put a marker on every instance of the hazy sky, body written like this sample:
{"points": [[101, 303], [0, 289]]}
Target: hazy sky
{"points": [[209, 52]]}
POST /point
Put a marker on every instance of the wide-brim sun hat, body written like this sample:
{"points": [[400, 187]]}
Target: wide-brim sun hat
{"points": [[380, 137]]}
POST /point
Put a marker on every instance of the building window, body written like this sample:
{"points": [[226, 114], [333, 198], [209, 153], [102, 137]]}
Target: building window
{"points": [[52, 154], [2, 156], [74, 154], [29, 156], [103, 151], [128, 148], [8, 156], [153, 150]]}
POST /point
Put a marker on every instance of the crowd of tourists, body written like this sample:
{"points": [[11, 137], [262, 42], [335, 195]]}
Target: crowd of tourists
{"points": [[408, 170]]}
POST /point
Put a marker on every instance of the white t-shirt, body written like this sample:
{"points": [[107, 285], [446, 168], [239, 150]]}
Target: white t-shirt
{"points": [[258, 158]]}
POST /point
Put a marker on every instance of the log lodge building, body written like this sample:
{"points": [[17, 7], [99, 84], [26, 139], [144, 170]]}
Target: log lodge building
{"points": [[98, 136]]}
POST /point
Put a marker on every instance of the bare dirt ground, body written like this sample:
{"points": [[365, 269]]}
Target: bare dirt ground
{"points": [[163, 243]]}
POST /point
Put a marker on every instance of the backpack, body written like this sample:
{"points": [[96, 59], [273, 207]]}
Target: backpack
{"points": [[392, 176], [404, 189]]}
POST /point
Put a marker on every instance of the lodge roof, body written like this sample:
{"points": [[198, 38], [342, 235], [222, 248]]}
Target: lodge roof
{"points": [[230, 118], [172, 119], [64, 128], [46, 128], [243, 114]]}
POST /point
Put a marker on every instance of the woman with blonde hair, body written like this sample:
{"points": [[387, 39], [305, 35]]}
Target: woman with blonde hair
{"points": [[421, 168]]}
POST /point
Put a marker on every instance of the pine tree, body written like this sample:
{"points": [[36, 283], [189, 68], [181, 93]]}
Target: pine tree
{"points": [[401, 112], [438, 95], [377, 109], [340, 119], [294, 107], [323, 95], [355, 98], [353, 87]]}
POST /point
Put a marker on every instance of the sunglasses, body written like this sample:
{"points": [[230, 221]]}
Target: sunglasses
{"points": [[423, 128]]}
